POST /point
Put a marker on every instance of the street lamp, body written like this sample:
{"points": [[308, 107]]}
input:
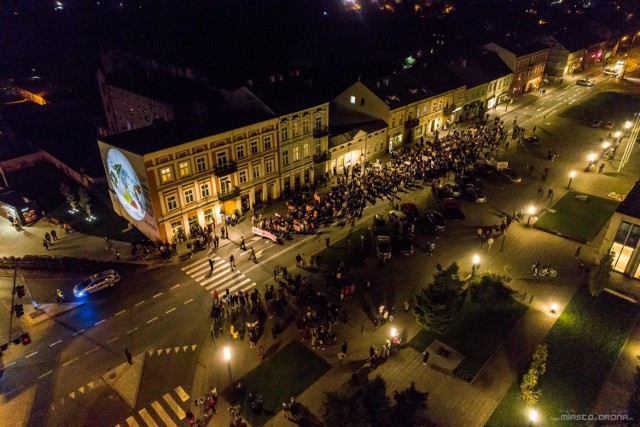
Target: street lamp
{"points": [[592, 158], [554, 308], [572, 175], [531, 211], [533, 416], [476, 265], [227, 356]]}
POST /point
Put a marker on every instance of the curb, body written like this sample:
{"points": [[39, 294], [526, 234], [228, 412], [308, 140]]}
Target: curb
{"points": [[45, 312]]}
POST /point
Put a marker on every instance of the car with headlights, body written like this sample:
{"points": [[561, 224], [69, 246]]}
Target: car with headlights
{"points": [[595, 123], [608, 125], [532, 140], [432, 221], [511, 175], [95, 283], [453, 190], [583, 82]]}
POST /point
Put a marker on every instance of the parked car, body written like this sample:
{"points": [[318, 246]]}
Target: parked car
{"points": [[404, 245], [531, 140], [453, 190], [484, 169], [433, 221], [96, 282], [475, 194], [511, 175], [468, 178], [410, 210], [583, 82], [379, 224], [451, 210], [608, 125], [595, 123], [611, 73], [383, 248]]}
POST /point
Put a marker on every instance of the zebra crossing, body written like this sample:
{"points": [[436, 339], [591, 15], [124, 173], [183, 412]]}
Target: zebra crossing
{"points": [[223, 277], [166, 412]]}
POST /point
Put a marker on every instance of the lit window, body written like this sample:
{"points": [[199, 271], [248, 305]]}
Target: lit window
{"points": [[242, 176], [205, 191], [184, 169], [165, 175], [352, 99], [294, 129], [172, 203], [296, 153], [305, 150], [188, 196]]}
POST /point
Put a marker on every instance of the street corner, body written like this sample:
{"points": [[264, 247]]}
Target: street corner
{"points": [[43, 312], [125, 378]]}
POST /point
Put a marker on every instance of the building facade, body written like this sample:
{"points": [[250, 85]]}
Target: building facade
{"points": [[351, 145], [527, 61], [570, 53]]}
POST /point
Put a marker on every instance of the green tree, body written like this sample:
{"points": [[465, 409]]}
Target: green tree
{"points": [[490, 291], [375, 402], [599, 276], [633, 407], [410, 407], [69, 196], [437, 308], [340, 410], [84, 201], [528, 387]]}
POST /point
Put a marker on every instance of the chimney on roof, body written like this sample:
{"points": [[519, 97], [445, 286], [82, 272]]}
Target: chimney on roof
{"points": [[378, 83], [463, 62], [249, 82], [272, 78], [386, 82]]}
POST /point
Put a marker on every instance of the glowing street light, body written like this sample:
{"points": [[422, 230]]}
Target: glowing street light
{"points": [[592, 159], [533, 416], [531, 211], [572, 175], [554, 308], [226, 352], [394, 332], [476, 264]]}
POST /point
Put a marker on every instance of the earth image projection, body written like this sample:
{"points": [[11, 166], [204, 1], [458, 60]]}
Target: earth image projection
{"points": [[125, 183]]}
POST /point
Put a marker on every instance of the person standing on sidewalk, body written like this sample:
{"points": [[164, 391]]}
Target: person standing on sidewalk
{"points": [[127, 353], [54, 235]]}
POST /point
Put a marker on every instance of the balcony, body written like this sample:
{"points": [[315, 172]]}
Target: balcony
{"points": [[411, 123], [232, 194], [322, 157], [225, 169], [320, 131]]}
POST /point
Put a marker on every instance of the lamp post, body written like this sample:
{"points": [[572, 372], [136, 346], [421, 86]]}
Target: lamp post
{"points": [[572, 175], [476, 265], [592, 158], [533, 416], [227, 356], [635, 130], [531, 210]]}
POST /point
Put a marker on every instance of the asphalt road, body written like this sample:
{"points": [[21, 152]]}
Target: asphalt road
{"points": [[169, 307]]}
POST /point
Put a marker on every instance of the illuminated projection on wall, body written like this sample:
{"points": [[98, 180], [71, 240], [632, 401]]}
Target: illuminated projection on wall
{"points": [[126, 185]]}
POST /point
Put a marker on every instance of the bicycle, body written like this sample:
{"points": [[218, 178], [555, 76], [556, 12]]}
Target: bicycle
{"points": [[547, 270]]}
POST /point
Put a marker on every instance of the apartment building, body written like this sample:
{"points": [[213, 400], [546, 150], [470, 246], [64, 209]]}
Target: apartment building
{"points": [[572, 52], [526, 59]]}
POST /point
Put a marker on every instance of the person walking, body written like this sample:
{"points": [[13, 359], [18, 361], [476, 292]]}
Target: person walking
{"points": [[490, 243], [326, 241], [59, 296], [577, 253], [54, 235], [535, 267], [540, 191], [47, 237], [211, 263], [298, 260], [252, 255], [127, 354], [343, 347], [243, 246], [45, 244], [232, 261]]}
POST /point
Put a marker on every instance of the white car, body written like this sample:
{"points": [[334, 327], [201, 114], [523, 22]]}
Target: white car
{"points": [[583, 82], [96, 282]]}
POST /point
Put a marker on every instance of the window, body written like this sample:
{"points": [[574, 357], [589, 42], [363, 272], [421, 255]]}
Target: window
{"points": [[362, 102], [166, 175], [267, 143], [184, 169], [172, 203], [256, 171], [240, 151], [225, 186], [352, 99], [305, 126], [284, 133], [294, 128], [624, 244], [318, 122], [434, 107], [440, 105], [242, 176], [254, 147], [205, 191], [285, 158], [188, 196], [268, 166], [201, 164], [296, 153], [305, 150], [222, 158], [393, 122], [318, 146]]}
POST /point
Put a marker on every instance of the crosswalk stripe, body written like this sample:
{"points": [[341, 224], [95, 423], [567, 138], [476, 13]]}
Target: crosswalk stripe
{"points": [[132, 422], [223, 277], [232, 286], [174, 406], [163, 414], [182, 394], [147, 418], [198, 264], [219, 277]]}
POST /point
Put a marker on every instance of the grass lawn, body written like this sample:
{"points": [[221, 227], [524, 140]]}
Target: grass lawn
{"points": [[584, 344], [348, 248], [287, 373], [615, 106], [579, 220], [479, 334]]}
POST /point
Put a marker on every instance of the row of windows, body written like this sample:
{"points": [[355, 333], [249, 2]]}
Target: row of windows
{"points": [[184, 167], [295, 128], [295, 152], [172, 202]]}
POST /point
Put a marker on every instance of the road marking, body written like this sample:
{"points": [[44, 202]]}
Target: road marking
{"points": [[182, 394], [45, 374], [9, 364], [187, 302], [69, 362], [113, 340], [157, 295], [79, 332], [32, 354], [97, 323], [138, 303], [163, 414], [174, 286], [132, 422], [169, 311], [174, 406], [259, 264], [55, 343], [152, 320], [132, 330], [120, 312], [147, 418], [92, 350]]}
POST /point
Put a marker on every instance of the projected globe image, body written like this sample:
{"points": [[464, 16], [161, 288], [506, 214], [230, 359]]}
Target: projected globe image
{"points": [[125, 183]]}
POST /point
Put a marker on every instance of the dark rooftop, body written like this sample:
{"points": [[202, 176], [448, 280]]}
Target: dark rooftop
{"points": [[631, 204], [170, 134], [399, 89], [345, 133], [575, 40], [520, 46], [287, 93]]}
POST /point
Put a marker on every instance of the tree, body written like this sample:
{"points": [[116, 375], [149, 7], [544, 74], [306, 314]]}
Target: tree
{"points": [[528, 391], [84, 201], [69, 196], [340, 410], [633, 407], [410, 407], [437, 308], [599, 276], [489, 291], [375, 402]]}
